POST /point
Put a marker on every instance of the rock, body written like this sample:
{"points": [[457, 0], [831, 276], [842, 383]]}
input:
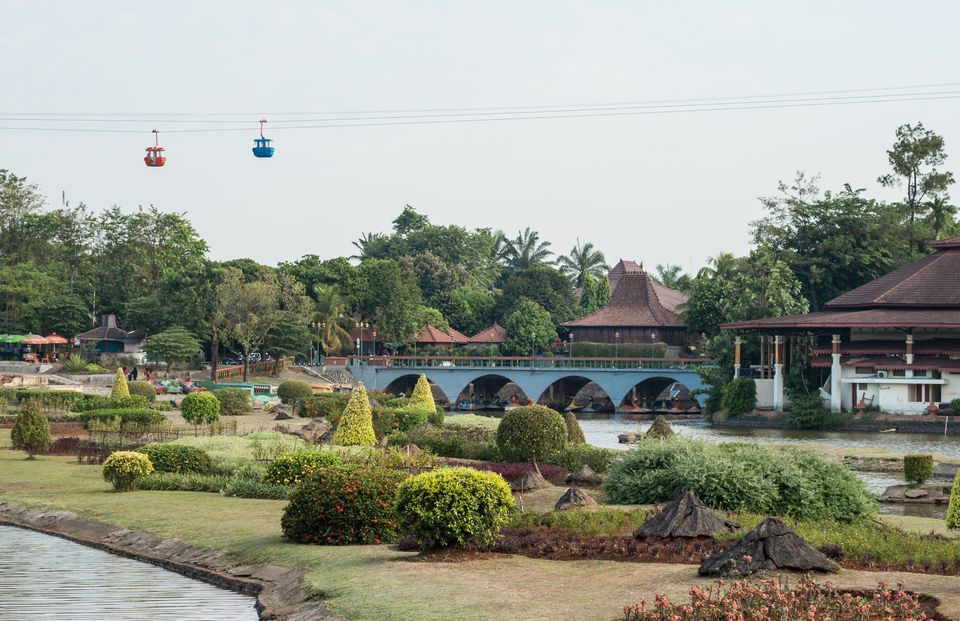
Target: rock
{"points": [[411, 449], [529, 481], [317, 430], [660, 428], [584, 476], [771, 545], [686, 516], [627, 438], [282, 415], [574, 497], [916, 493]]}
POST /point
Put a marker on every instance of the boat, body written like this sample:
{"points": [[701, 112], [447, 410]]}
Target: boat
{"points": [[572, 407], [891, 430]]}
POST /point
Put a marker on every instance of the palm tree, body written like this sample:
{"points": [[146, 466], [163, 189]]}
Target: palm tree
{"points": [[581, 261], [363, 242], [669, 274], [721, 267], [942, 215], [525, 251], [331, 317]]}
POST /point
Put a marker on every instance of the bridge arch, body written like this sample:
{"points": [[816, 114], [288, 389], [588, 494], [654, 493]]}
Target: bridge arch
{"points": [[563, 392], [652, 393], [485, 387], [405, 383]]}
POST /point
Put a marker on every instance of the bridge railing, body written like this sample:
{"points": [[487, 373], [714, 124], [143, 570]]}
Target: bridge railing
{"points": [[527, 362]]}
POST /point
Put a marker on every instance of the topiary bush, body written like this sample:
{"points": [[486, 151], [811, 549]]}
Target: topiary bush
{"points": [[293, 391], [234, 401], [120, 388], [574, 432], [123, 468], [326, 405], [31, 430], [200, 408], [660, 428], [177, 458], [355, 427], [410, 416], [739, 396], [453, 506], [953, 509], [531, 433], [917, 469], [144, 389], [576, 455], [422, 395], [293, 468], [343, 505]]}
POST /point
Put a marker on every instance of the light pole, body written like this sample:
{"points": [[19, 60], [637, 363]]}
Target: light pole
{"points": [[533, 343], [317, 325], [571, 344], [362, 324], [616, 344]]}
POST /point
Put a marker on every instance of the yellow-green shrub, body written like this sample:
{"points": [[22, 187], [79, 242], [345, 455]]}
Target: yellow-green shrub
{"points": [[145, 389], [422, 395], [123, 468], [531, 433], [355, 427], [574, 432], [293, 468], [953, 509], [120, 388], [200, 408]]}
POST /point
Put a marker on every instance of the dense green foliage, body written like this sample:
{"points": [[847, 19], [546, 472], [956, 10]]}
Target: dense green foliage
{"points": [[453, 506], [575, 455], [120, 388], [953, 509], [409, 416], [355, 426], [85, 403], [740, 477], [324, 405], [122, 469], [200, 408], [739, 396], [292, 468], [574, 432], [144, 389], [917, 469], [292, 391], [177, 458], [343, 505], [531, 433], [660, 428], [173, 345], [458, 442], [587, 349], [31, 431], [142, 417], [233, 401], [529, 329]]}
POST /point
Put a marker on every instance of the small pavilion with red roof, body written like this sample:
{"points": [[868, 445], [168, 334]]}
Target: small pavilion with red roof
{"points": [[494, 335], [433, 336]]}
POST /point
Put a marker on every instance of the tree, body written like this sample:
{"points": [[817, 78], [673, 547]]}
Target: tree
{"points": [[531, 433], [526, 250], [409, 221], [588, 295], [175, 344], [433, 276], [529, 329], [66, 315], [467, 310], [288, 337], [31, 431], [355, 427], [331, 312], [582, 261], [669, 275], [942, 217], [603, 291], [392, 299], [545, 286], [914, 159]]}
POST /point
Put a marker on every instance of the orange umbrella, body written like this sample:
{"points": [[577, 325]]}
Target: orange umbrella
{"points": [[55, 339], [34, 339]]}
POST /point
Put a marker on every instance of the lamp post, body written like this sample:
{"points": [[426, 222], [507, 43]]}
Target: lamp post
{"points": [[616, 344], [533, 343], [571, 344], [362, 325], [317, 325]]}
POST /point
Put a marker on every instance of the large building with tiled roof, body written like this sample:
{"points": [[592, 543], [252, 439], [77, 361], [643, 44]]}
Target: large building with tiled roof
{"points": [[494, 335], [111, 339], [893, 342]]}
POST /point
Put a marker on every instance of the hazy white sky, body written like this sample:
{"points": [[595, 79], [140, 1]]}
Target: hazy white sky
{"points": [[662, 188]]}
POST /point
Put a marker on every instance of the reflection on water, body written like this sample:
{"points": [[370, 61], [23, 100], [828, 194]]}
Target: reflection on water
{"points": [[45, 577]]}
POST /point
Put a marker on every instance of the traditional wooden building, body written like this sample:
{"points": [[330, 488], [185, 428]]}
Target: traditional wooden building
{"points": [[494, 335], [433, 336], [110, 339], [893, 343]]}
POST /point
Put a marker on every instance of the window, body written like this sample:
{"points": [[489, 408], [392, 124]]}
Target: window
{"points": [[863, 370], [899, 373], [920, 373]]}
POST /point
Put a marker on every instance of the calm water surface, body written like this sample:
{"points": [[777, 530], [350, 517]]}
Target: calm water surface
{"points": [[46, 577]]}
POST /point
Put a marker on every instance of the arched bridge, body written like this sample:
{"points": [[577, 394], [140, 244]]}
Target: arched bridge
{"points": [[538, 378]]}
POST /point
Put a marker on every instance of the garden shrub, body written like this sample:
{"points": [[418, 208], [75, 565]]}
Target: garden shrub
{"points": [[531, 433], [422, 395], [123, 468], [574, 432], [145, 389], [955, 406], [807, 411], [177, 458], [953, 509], [200, 408], [100, 402], [463, 443], [233, 401], [739, 477], [472, 421], [292, 468], [75, 363], [453, 506], [292, 391], [739, 396], [120, 387], [326, 405], [438, 417], [48, 400], [573, 456], [917, 469], [128, 416], [512, 472], [660, 428], [355, 427], [410, 416], [31, 430], [343, 505]]}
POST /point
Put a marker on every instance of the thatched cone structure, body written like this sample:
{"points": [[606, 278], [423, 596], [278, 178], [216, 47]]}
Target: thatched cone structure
{"points": [[584, 476], [686, 516], [573, 498], [660, 428], [529, 481], [771, 545]]}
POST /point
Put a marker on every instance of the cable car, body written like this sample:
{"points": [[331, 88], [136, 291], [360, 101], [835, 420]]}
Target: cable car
{"points": [[155, 157], [263, 148]]}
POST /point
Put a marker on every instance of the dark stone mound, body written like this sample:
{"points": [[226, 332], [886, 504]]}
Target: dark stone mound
{"points": [[584, 476], [574, 497], [771, 545], [282, 415], [529, 481], [686, 516]]}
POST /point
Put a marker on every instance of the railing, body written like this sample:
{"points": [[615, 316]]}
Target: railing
{"points": [[526, 362], [264, 367]]}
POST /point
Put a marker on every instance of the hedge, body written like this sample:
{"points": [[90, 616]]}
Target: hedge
{"points": [[177, 458], [324, 405], [98, 402], [128, 416], [293, 468], [623, 350]]}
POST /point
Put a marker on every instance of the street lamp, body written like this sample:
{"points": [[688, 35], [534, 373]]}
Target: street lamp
{"points": [[362, 325], [571, 344], [317, 325], [533, 343], [616, 344]]}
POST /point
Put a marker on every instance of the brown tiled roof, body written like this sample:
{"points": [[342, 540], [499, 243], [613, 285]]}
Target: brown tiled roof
{"points": [[933, 281], [671, 299], [634, 303], [108, 331], [494, 334], [621, 268], [868, 318], [434, 335]]}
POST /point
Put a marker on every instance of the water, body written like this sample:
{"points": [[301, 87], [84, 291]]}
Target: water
{"points": [[49, 578]]}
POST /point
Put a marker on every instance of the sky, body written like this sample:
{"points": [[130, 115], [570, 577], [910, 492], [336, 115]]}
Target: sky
{"points": [[657, 188]]}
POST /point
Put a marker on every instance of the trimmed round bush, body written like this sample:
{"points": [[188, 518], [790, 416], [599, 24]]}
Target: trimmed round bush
{"points": [[292, 391], [422, 395], [293, 468], [574, 432], [343, 505], [31, 430], [355, 427], [200, 408], [123, 468], [660, 428], [144, 389], [917, 469], [739, 396], [531, 433], [453, 506], [120, 387], [233, 401], [326, 405], [177, 458], [411, 416]]}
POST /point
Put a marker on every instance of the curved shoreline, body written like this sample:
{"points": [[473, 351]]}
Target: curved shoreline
{"points": [[281, 593]]}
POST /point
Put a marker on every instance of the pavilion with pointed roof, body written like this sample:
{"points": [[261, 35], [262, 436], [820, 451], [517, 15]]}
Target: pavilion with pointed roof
{"points": [[432, 335], [494, 335], [893, 342]]}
